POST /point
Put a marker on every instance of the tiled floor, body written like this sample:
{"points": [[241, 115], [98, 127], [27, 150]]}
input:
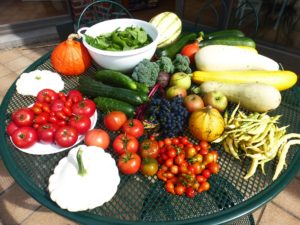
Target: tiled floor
{"points": [[17, 207]]}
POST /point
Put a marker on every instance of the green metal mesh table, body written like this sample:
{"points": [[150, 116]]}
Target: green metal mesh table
{"points": [[143, 200]]}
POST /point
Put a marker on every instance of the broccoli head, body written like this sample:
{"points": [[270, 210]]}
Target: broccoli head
{"points": [[165, 64], [182, 64], [146, 72]]}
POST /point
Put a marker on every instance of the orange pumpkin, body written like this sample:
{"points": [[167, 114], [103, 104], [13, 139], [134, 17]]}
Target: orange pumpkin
{"points": [[70, 57]]}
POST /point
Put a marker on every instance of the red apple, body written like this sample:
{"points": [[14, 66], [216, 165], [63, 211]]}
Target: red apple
{"points": [[175, 91], [216, 99], [193, 102]]}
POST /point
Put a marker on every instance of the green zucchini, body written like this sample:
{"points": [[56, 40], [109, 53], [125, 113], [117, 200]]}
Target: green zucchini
{"points": [[235, 41], [93, 88], [110, 104], [174, 48], [115, 78], [223, 34]]}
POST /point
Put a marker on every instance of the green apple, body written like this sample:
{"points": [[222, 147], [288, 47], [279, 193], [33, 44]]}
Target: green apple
{"points": [[181, 79], [216, 99], [175, 91]]}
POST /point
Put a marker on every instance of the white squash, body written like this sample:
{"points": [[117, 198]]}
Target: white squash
{"points": [[256, 97], [86, 178], [37, 80], [232, 58]]}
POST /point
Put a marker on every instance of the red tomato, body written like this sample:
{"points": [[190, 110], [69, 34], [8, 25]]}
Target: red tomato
{"points": [[149, 148], [133, 127], [75, 96], [24, 137], [190, 50], [129, 163], [23, 117], [114, 120], [125, 143], [97, 137], [190, 192], [46, 95], [170, 187], [180, 189], [206, 173], [149, 166], [84, 107], [81, 123], [11, 127], [66, 136], [57, 105], [46, 132]]}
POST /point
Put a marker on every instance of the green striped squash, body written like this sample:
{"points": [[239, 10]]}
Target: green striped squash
{"points": [[169, 27]]}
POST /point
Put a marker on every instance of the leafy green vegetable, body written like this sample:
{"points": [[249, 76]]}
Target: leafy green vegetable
{"points": [[120, 40]]}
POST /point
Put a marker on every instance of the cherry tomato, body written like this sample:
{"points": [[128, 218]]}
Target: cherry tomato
{"points": [[149, 148], [184, 141], [149, 166], [67, 111], [180, 189], [24, 137], [114, 120], [23, 117], [42, 118], [174, 169], [75, 96], [125, 143], [203, 151], [171, 152], [200, 179], [213, 167], [205, 186], [206, 173], [198, 167], [168, 141], [11, 127], [161, 175], [190, 50], [170, 187], [46, 132], [46, 95], [81, 123], [61, 115], [215, 154], [66, 136], [190, 152], [97, 137], [129, 163], [208, 158], [133, 127], [84, 107], [179, 159], [190, 192], [169, 162], [161, 143], [204, 144], [175, 141], [36, 110]]}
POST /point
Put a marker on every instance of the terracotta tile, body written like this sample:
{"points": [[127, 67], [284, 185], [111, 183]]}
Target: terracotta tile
{"points": [[9, 55], [16, 205], [276, 216], [289, 198], [20, 63], [298, 175], [6, 82], [257, 214], [44, 216], [6, 180], [4, 70]]}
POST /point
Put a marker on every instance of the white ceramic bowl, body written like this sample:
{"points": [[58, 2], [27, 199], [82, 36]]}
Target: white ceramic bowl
{"points": [[123, 61]]}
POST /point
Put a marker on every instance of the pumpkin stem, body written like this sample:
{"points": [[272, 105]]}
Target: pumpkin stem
{"points": [[73, 36], [81, 170]]}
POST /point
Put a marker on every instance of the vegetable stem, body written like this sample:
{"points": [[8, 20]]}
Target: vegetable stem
{"points": [[81, 170]]}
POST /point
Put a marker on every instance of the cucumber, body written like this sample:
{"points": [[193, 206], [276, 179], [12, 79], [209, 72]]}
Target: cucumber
{"points": [[93, 88], [234, 41], [174, 48], [109, 104], [115, 78], [223, 33], [142, 88]]}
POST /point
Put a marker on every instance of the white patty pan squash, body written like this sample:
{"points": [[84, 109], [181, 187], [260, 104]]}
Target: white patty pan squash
{"points": [[37, 80], [86, 178]]}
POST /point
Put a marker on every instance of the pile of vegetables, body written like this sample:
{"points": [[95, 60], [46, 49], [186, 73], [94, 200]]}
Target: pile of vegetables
{"points": [[183, 92]]}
